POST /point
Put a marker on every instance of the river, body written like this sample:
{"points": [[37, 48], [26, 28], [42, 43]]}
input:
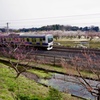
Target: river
{"points": [[69, 84]]}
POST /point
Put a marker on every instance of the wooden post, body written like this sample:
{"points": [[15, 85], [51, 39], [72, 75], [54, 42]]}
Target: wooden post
{"points": [[54, 61]]}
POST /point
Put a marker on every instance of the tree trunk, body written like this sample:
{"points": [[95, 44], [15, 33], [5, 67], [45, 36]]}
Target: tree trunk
{"points": [[98, 98], [17, 75]]}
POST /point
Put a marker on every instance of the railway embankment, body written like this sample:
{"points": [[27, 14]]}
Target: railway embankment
{"points": [[49, 68]]}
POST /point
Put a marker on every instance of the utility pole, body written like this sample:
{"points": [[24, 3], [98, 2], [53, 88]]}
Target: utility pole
{"points": [[7, 28]]}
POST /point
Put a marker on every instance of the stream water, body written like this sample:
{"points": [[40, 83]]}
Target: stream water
{"points": [[69, 84]]}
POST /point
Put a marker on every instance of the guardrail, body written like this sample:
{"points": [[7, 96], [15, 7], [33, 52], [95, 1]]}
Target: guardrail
{"points": [[50, 59], [57, 61]]}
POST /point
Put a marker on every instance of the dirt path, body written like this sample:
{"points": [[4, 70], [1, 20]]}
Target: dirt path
{"points": [[31, 76]]}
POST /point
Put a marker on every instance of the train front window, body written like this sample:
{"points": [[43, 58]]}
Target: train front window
{"points": [[27, 39], [43, 39], [33, 40], [50, 39]]}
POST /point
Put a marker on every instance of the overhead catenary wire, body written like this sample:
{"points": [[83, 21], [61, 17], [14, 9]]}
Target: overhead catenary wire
{"points": [[70, 19], [55, 17]]}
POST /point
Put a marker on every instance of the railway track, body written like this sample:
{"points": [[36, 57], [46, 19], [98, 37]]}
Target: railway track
{"points": [[76, 50], [63, 51], [55, 55]]}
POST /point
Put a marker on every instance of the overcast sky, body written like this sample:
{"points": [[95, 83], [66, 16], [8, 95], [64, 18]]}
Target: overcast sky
{"points": [[37, 13]]}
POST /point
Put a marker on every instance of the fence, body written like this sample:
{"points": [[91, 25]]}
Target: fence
{"points": [[47, 59]]}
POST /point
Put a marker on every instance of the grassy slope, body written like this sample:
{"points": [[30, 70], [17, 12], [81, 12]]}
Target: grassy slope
{"points": [[9, 87]]}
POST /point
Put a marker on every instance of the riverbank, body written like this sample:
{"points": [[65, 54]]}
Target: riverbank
{"points": [[25, 86]]}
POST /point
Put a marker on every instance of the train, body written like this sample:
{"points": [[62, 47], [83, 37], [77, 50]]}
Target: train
{"points": [[43, 41]]}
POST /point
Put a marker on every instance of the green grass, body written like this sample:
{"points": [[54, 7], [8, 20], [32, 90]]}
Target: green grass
{"points": [[10, 87], [71, 43], [44, 66], [49, 67], [66, 43], [41, 73], [94, 44], [69, 70]]}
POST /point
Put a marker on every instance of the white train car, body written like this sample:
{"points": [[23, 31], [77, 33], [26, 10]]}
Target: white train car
{"points": [[38, 40], [35, 40]]}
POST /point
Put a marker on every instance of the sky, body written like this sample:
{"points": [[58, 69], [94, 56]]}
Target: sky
{"points": [[37, 13]]}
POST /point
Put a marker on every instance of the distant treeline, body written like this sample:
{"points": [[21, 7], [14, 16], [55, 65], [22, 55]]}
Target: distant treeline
{"points": [[56, 27]]}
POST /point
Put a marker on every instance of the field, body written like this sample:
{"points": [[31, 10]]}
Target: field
{"points": [[76, 42]]}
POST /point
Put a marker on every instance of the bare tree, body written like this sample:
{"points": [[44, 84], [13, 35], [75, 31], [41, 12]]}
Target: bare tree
{"points": [[18, 53], [87, 62]]}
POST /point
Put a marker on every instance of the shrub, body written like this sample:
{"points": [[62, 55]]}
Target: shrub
{"points": [[28, 97], [54, 94]]}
